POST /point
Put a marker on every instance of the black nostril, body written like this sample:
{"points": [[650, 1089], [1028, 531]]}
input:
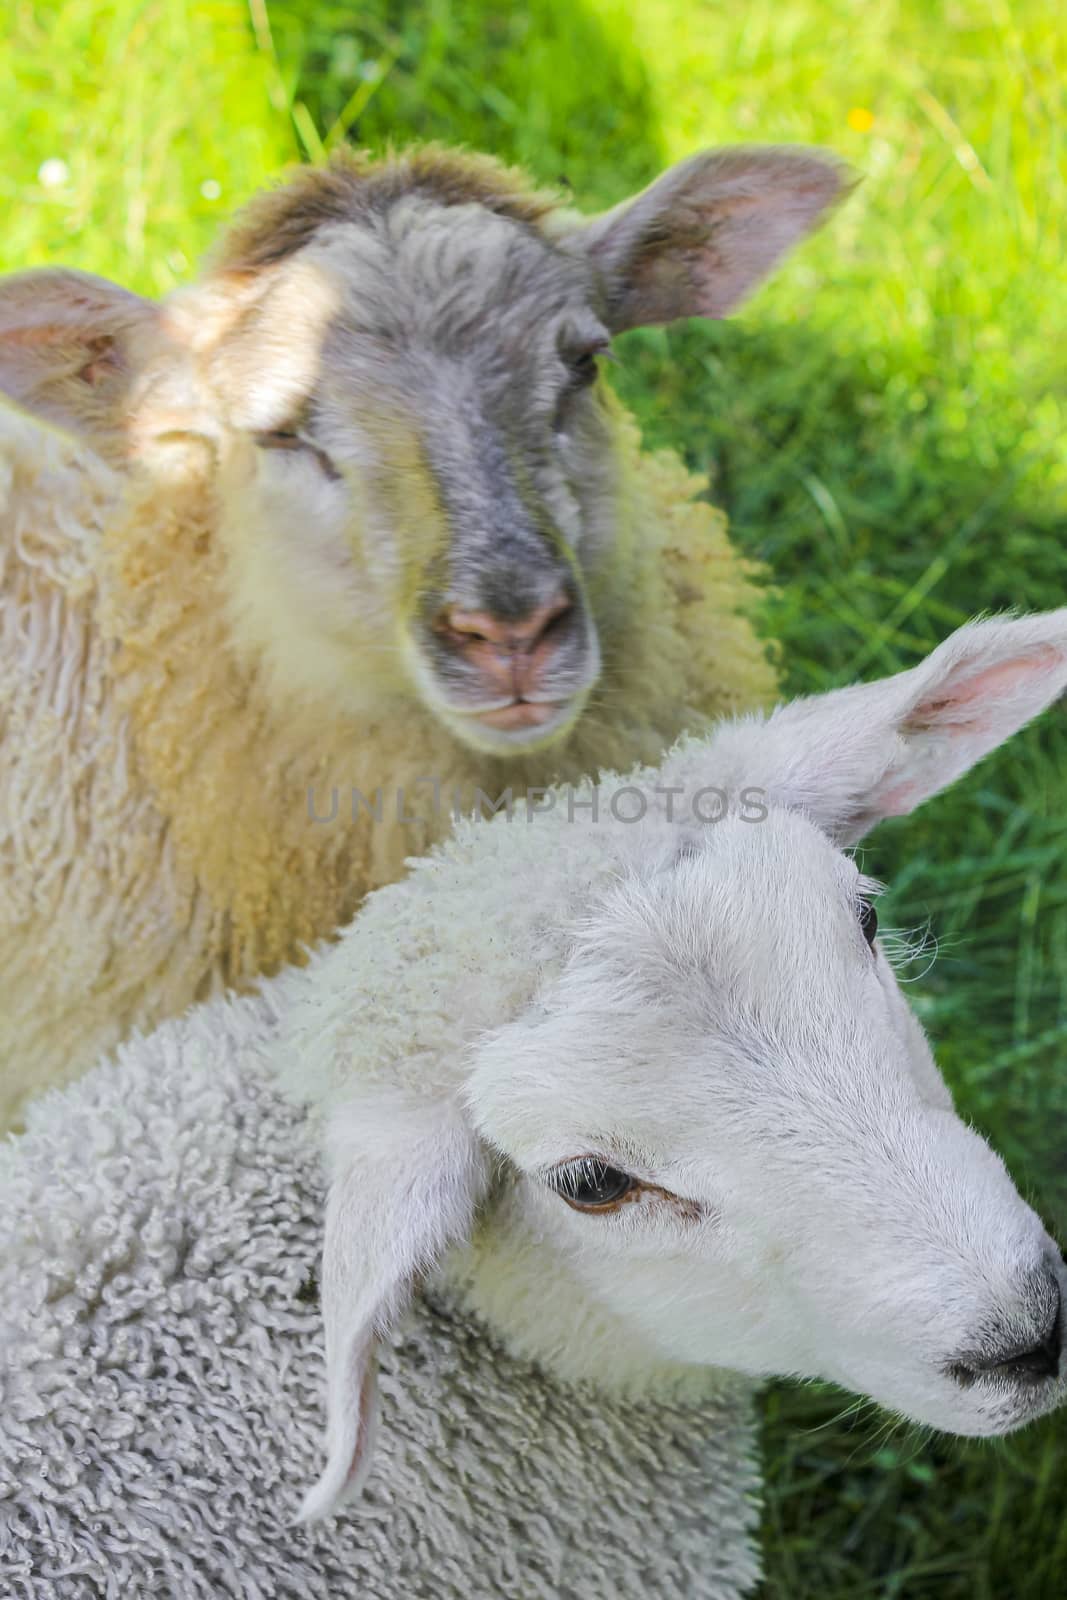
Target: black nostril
{"points": [[1032, 1364], [558, 620]]}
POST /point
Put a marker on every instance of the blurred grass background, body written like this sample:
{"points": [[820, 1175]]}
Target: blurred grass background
{"points": [[884, 425]]}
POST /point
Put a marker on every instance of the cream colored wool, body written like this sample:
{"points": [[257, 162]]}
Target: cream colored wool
{"points": [[156, 842]]}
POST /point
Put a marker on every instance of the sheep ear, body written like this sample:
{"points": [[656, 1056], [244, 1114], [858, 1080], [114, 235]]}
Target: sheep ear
{"points": [[699, 240], [69, 349], [407, 1179], [878, 750]]}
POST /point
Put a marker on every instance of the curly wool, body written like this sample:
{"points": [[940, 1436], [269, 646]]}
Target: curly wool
{"points": [[156, 841], [162, 1372]]}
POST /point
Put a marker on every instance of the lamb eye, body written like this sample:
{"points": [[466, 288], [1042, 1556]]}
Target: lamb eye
{"points": [[591, 1185], [868, 923]]}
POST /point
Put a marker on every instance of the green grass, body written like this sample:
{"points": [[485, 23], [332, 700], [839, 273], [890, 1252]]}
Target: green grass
{"points": [[885, 426], [144, 102]]}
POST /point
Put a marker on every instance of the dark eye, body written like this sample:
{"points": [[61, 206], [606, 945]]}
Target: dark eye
{"points": [[868, 923], [582, 364], [583, 368], [279, 439], [589, 1184], [290, 439]]}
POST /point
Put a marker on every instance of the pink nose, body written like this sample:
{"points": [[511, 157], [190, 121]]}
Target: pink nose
{"points": [[509, 652]]}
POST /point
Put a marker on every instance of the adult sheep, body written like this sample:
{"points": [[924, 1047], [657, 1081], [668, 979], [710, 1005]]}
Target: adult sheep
{"points": [[642, 1109], [350, 520]]}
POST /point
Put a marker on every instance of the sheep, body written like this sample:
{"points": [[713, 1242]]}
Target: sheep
{"points": [[625, 1087], [331, 543], [161, 1377]]}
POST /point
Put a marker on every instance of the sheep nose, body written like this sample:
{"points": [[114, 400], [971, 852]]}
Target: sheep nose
{"points": [[507, 633], [509, 654], [1027, 1364]]}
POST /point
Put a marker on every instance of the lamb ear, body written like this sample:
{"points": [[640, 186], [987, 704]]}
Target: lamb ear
{"points": [[69, 348], [878, 750], [407, 1179], [699, 240]]}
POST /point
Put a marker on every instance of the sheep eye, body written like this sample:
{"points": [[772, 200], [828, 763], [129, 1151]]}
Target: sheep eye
{"points": [[592, 1185], [279, 439], [583, 369], [583, 365], [290, 439], [868, 923]]}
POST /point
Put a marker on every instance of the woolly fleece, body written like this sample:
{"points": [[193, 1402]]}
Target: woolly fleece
{"points": [[162, 1375], [155, 838]]}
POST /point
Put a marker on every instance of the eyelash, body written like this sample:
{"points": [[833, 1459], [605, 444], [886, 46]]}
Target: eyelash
{"points": [[289, 439], [570, 1178], [567, 1178], [868, 918]]}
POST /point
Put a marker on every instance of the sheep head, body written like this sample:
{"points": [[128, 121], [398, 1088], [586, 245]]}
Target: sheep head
{"points": [[391, 370], [709, 1131]]}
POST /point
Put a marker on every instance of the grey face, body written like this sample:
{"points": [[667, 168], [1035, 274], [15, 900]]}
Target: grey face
{"points": [[419, 334], [447, 393], [459, 386]]}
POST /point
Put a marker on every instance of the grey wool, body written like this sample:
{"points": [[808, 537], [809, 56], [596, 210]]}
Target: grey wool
{"points": [[161, 1382]]}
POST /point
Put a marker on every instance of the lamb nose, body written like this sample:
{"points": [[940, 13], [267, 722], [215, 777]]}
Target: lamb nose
{"points": [[1028, 1365], [508, 633]]}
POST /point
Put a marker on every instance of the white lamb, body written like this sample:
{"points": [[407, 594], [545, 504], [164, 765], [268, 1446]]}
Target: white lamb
{"points": [[640, 1100], [351, 514]]}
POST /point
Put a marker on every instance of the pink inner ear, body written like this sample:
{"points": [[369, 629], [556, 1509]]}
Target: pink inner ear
{"points": [[899, 802], [37, 333], [103, 362], [983, 689]]}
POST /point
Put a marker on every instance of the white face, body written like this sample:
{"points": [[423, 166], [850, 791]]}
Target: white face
{"points": [[731, 1067], [725, 1140]]}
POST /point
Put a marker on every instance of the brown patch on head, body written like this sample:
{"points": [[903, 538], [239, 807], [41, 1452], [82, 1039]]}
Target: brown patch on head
{"points": [[356, 187]]}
